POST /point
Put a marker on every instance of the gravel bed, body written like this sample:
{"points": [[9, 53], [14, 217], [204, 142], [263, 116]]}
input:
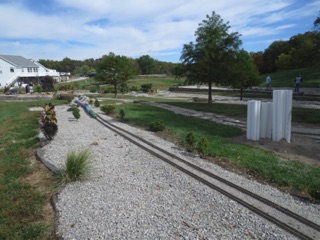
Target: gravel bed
{"points": [[132, 195]]}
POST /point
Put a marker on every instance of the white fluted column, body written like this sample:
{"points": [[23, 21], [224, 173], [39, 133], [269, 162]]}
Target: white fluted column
{"points": [[253, 120]]}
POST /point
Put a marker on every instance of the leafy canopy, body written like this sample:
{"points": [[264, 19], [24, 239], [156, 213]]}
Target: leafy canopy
{"points": [[211, 59]]}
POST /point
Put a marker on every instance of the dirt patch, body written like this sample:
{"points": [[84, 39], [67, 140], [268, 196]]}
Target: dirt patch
{"points": [[302, 148]]}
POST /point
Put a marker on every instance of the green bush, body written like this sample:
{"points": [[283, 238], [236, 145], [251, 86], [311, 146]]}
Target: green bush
{"points": [[94, 89], [156, 126], [65, 87], [203, 146], [73, 108], [121, 115], [77, 167], [96, 103], [37, 89], [191, 139], [146, 87], [107, 109], [76, 114]]}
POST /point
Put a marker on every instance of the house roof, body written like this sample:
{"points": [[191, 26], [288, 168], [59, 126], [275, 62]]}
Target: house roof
{"points": [[18, 61]]}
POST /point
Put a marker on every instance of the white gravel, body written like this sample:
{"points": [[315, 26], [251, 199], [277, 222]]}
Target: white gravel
{"points": [[132, 195]]}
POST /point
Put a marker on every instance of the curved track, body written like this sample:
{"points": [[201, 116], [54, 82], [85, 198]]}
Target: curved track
{"points": [[282, 217]]}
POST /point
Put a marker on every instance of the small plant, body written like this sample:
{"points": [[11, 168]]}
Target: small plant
{"points": [[203, 146], [157, 126], [107, 109], [73, 108], [76, 114], [121, 115], [191, 139], [96, 103], [77, 167], [49, 121], [146, 87]]}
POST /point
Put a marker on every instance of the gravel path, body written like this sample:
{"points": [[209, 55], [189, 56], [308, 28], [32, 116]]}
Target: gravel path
{"points": [[132, 195]]}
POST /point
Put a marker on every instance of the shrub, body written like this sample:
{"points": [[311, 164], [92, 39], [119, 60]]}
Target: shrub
{"points": [[76, 114], [134, 88], [156, 126], [47, 84], [49, 129], [37, 89], [49, 121], [77, 167], [121, 115], [73, 108], [146, 87], [65, 87], [96, 103], [203, 146], [107, 109], [94, 89], [191, 139]]}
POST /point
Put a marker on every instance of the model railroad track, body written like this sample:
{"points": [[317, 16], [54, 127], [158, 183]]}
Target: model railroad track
{"points": [[289, 221]]}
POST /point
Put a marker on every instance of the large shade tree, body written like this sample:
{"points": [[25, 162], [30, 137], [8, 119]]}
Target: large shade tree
{"points": [[116, 70], [212, 57]]}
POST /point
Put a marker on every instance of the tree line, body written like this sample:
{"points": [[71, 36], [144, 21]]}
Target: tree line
{"points": [[141, 66]]}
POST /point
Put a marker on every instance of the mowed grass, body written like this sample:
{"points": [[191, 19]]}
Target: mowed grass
{"points": [[310, 77], [290, 175], [299, 115], [21, 204]]}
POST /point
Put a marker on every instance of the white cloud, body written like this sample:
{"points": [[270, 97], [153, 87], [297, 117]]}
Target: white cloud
{"points": [[136, 28]]}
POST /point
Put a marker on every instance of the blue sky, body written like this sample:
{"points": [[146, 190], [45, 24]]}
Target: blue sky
{"points": [[82, 29]]}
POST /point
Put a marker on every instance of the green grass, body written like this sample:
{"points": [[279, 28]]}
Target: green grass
{"points": [[299, 115], [276, 171], [310, 76], [21, 211]]}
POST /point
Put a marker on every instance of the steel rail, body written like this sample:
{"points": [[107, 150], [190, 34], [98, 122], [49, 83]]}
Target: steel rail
{"points": [[279, 208]]}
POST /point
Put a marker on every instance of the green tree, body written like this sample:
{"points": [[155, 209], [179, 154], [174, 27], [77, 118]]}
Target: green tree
{"points": [[316, 23], [115, 70], [146, 64], [245, 72], [212, 58]]}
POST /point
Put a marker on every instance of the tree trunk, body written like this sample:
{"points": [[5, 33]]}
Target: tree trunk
{"points": [[115, 91], [210, 93]]}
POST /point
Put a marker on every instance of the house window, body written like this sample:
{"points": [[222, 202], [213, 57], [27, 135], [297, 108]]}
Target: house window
{"points": [[35, 69], [29, 69], [0, 70], [11, 69]]}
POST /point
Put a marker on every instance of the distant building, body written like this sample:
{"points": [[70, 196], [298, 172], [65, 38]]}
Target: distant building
{"points": [[16, 70]]}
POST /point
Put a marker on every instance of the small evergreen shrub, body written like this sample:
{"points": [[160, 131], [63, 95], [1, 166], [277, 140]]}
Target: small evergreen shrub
{"points": [[96, 103], [203, 146], [121, 115], [156, 126], [77, 166], [73, 108], [191, 139], [76, 114]]}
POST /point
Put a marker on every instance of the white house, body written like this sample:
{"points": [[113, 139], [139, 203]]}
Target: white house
{"points": [[16, 70]]}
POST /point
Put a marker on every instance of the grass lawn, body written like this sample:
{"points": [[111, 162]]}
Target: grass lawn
{"points": [[25, 184]]}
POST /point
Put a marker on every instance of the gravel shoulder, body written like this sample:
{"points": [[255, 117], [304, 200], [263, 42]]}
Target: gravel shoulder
{"points": [[132, 195]]}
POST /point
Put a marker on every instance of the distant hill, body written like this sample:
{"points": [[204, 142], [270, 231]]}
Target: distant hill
{"points": [[310, 76]]}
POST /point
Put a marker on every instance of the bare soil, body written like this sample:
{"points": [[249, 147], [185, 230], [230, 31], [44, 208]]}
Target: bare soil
{"points": [[302, 148]]}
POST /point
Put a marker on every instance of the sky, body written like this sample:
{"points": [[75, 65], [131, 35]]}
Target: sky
{"points": [[83, 29]]}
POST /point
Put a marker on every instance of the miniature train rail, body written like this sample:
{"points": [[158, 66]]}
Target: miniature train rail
{"points": [[289, 221]]}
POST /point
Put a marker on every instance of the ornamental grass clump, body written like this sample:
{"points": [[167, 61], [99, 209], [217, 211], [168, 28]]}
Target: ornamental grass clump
{"points": [[77, 167]]}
